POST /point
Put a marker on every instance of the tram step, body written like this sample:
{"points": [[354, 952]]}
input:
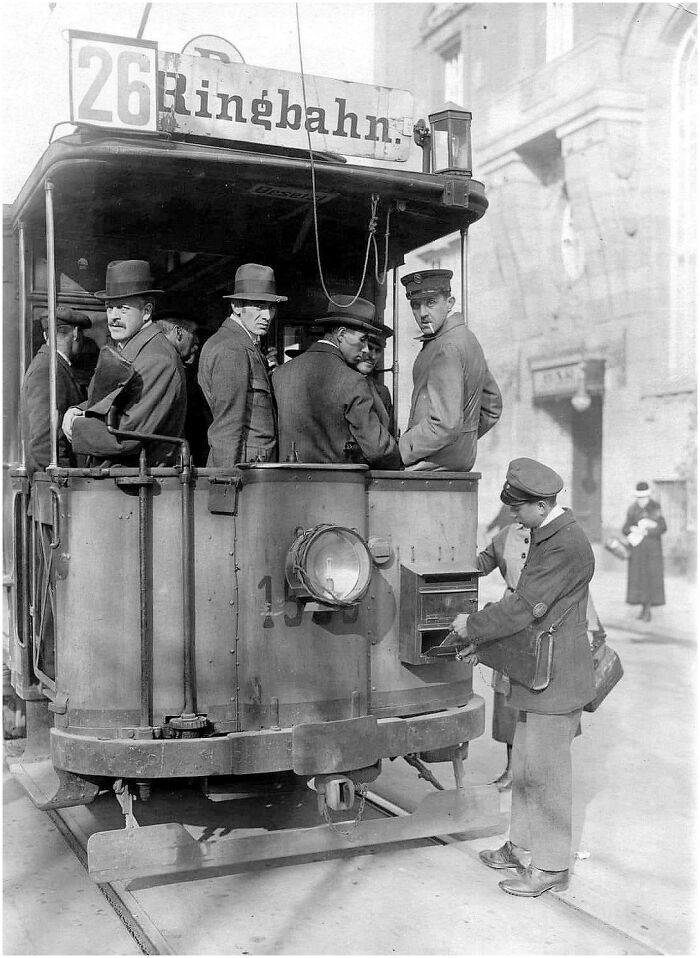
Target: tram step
{"points": [[157, 850], [49, 788]]}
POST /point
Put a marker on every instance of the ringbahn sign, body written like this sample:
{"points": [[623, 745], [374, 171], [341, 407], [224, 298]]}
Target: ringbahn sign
{"points": [[121, 83]]}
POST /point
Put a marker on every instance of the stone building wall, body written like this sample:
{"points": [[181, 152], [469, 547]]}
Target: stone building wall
{"points": [[570, 271]]}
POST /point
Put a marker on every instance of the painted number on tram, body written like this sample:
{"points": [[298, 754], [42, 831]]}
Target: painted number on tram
{"points": [[113, 81]]}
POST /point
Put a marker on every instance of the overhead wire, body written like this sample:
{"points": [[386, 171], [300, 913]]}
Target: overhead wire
{"points": [[374, 203]]}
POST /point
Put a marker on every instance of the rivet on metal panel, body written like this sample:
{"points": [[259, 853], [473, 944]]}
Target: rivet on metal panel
{"points": [[232, 651], [374, 641], [231, 553], [231, 602], [413, 553]]}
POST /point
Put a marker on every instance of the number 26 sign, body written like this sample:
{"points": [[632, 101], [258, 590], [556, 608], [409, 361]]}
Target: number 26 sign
{"points": [[113, 81]]}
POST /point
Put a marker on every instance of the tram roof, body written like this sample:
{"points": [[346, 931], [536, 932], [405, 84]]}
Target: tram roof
{"points": [[107, 183]]}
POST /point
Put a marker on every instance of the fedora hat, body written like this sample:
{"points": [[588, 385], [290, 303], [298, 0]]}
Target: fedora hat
{"points": [[128, 277], [254, 282], [360, 315]]}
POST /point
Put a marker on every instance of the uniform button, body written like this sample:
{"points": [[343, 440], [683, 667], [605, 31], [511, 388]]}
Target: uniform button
{"points": [[523, 556], [526, 541]]}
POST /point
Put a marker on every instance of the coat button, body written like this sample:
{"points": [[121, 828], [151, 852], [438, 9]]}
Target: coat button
{"points": [[523, 556]]}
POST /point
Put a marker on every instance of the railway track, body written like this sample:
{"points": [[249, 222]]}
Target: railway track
{"points": [[141, 906]]}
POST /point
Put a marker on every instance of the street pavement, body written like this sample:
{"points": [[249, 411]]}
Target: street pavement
{"points": [[635, 779]]}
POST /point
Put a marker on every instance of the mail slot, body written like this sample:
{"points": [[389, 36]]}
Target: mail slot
{"points": [[429, 602]]}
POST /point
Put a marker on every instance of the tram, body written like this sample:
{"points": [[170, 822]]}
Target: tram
{"points": [[187, 623]]}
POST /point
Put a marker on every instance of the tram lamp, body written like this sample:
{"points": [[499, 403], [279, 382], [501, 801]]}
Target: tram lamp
{"points": [[451, 140], [330, 564]]}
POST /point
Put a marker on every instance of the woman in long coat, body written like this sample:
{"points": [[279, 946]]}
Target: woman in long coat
{"points": [[644, 527]]}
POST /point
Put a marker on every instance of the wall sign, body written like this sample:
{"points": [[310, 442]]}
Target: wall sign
{"points": [[564, 378], [129, 84]]}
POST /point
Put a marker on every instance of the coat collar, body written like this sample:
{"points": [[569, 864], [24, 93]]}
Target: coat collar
{"points": [[328, 349], [239, 333], [60, 358], [452, 322], [544, 532], [133, 347]]}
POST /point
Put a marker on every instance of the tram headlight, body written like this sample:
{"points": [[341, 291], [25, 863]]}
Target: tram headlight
{"points": [[331, 564]]}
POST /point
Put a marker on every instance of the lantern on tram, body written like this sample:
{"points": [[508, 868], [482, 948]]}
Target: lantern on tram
{"points": [[451, 141]]}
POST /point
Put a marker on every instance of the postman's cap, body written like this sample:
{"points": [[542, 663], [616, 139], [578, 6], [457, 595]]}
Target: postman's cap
{"points": [[528, 480], [426, 282], [65, 316]]}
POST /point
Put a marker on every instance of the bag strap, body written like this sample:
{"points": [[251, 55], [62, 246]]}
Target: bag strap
{"points": [[555, 625]]}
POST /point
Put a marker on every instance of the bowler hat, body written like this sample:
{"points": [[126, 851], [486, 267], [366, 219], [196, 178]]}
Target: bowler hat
{"points": [[65, 316], [528, 481], [128, 277], [642, 490], [426, 282], [254, 282], [355, 312]]}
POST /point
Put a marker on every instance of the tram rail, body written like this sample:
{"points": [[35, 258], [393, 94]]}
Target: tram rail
{"points": [[143, 927]]}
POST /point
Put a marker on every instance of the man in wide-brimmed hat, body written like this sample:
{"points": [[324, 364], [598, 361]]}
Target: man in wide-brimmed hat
{"points": [[149, 382], [34, 397], [326, 408], [234, 374], [455, 397]]}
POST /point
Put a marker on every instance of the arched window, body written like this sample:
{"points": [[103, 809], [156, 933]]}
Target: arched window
{"points": [[684, 147]]}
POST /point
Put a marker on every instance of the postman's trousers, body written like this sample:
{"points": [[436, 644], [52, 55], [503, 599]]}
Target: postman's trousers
{"points": [[540, 817]]}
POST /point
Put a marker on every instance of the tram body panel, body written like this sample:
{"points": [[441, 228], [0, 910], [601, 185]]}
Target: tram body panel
{"points": [[314, 663], [430, 524]]}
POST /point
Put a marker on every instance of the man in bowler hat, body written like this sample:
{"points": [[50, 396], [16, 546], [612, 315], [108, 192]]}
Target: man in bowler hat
{"points": [[34, 396], [151, 397], [326, 408], [554, 581], [455, 398], [234, 375]]}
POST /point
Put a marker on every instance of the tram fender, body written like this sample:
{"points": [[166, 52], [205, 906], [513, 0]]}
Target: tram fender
{"points": [[153, 851]]}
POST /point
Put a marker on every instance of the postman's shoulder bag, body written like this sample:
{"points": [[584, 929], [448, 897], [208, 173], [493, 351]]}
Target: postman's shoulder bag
{"points": [[526, 656], [607, 670]]}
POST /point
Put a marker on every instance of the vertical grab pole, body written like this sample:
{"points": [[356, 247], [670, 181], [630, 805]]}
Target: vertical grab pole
{"points": [[145, 593], [395, 346], [51, 303], [24, 559], [464, 250], [23, 331], [188, 583]]}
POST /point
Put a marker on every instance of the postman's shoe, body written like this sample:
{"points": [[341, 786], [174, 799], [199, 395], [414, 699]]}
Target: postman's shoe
{"points": [[503, 857], [532, 882]]}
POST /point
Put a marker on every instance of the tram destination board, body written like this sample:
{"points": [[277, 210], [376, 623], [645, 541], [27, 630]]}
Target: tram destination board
{"points": [[120, 83]]}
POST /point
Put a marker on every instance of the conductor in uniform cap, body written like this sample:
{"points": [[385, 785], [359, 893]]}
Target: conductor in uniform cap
{"points": [[455, 398], [327, 410], [554, 581]]}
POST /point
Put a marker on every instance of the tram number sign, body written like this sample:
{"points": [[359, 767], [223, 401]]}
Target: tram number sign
{"points": [[113, 82], [121, 83]]}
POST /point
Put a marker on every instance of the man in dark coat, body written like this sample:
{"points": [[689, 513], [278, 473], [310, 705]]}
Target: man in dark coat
{"points": [[326, 408], [554, 581], [455, 398], [644, 526], [367, 365], [34, 396], [155, 398], [234, 375]]}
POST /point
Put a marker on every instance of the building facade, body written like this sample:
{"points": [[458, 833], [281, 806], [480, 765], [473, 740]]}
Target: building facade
{"points": [[582, 274]]}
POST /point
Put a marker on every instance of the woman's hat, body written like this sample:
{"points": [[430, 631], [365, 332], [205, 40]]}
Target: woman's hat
{"points": [[360, 315], [128, 277], [254, 282], [642, 490]]}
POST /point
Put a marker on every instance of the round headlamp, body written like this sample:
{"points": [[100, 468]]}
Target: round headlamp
{"points": [[331, 564]]}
